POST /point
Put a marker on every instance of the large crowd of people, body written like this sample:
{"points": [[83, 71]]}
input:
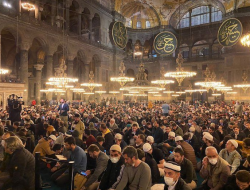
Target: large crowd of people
{"points": [[128, 146]]}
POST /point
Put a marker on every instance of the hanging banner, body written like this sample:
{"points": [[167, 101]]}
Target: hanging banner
{"points": [[119, 35], [230, 32], [165, 43]]}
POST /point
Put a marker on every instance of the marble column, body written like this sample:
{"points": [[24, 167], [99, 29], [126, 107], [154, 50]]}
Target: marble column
{"points": [[38, 68], [79, 24], [90, 29], [37, 10], [70, 67], [24, 72], [86, 72], [67, 15], [53, 13], [49, 73]]}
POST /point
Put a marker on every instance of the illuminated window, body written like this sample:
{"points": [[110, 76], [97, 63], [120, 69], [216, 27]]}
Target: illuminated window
{"points": [[148, 25], [129, 23], [200, 15], [138, 25]]}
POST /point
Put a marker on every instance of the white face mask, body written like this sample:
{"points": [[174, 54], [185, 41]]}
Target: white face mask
{"points": [[169, 181], [2, 143], [114, 160], [213, 161]]}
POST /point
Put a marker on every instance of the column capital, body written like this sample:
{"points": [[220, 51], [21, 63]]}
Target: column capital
{"points": [[38, 67], [25, 46]]}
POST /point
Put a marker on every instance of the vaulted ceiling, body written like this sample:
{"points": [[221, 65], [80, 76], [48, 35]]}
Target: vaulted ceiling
{"points": [[161, 11]]}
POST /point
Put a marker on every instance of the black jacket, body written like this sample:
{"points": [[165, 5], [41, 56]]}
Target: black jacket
{"points": [[155, 173], [181, 185], [109, 139], [187, 171], [157, 133], [22, 171], [109, 177], [129, 135]]}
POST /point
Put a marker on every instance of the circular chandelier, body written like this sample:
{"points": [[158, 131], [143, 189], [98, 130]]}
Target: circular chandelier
{"points": [[91, 84], [4, 71], [245, 85], [168, 92], [180, 74], [245, 40], [162, 83], [28, 6], [122, 79]]}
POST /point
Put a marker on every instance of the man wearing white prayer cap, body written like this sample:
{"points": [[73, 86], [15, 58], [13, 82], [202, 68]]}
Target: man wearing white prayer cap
{"points": [[172, 178], [231, 155]]}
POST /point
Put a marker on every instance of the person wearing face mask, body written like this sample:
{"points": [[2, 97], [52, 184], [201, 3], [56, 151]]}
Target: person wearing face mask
{"points": [[136, 174], [115, 167], [215, 170], [101, 164], [172, 178], [78, 125]]}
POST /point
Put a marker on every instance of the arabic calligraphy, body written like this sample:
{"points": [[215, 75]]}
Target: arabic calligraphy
{"points": [[119, 34], [165, 43], [230, 32]]}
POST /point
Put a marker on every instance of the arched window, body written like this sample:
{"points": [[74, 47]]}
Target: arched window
{"points": [[200, 15], [138, 25], [148, 24]]}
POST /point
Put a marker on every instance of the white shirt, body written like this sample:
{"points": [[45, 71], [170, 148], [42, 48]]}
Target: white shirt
{"points": [[173, 186]]}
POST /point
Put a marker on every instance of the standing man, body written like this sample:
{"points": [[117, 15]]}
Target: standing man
{"points": [[63, 112], [165, 109]]}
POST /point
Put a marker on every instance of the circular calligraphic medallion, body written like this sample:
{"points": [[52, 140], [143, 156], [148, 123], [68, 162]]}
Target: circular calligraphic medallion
{"points": [[230, 32], [165, 43], [119, 35]]}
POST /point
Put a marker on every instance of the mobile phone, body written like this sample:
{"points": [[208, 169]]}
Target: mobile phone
{"points": [[83, 173], [170, 152]]}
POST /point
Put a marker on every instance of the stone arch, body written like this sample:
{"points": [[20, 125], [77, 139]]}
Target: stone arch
{"points": [[85, 25], [10, 58], [130, 73], [129, 47], [185, 7], [78, 66]]}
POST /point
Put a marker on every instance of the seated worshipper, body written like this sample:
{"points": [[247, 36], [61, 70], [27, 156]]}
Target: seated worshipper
{"points": [[212, 131], [146, 131], [78, 125], [247, 128], [231, 155], [77, 154], [208, 140], [139, 141], [149, 159], [187, 170], [236, 134], [119, 141], [193, 141], [21, 166], [79, 141], [134, 131], [93, 130], [157, 132], [14, 127], [221, 133], [187, 149], [170, 144], [109, 139], [99, 142], [112, 124], [44, 146], [239, 181], [112, 175], [157, 155], [183, 126], [245, 147], [172, 178], [101, 165], [215, 170], [245, 164], [90, 138], [168, 129], [176, 129], [137, 174], [62, 128]]}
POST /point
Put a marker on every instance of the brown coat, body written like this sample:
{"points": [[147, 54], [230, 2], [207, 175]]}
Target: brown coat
{"points": [[216, 178], [43, 147], [189, 153]]}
